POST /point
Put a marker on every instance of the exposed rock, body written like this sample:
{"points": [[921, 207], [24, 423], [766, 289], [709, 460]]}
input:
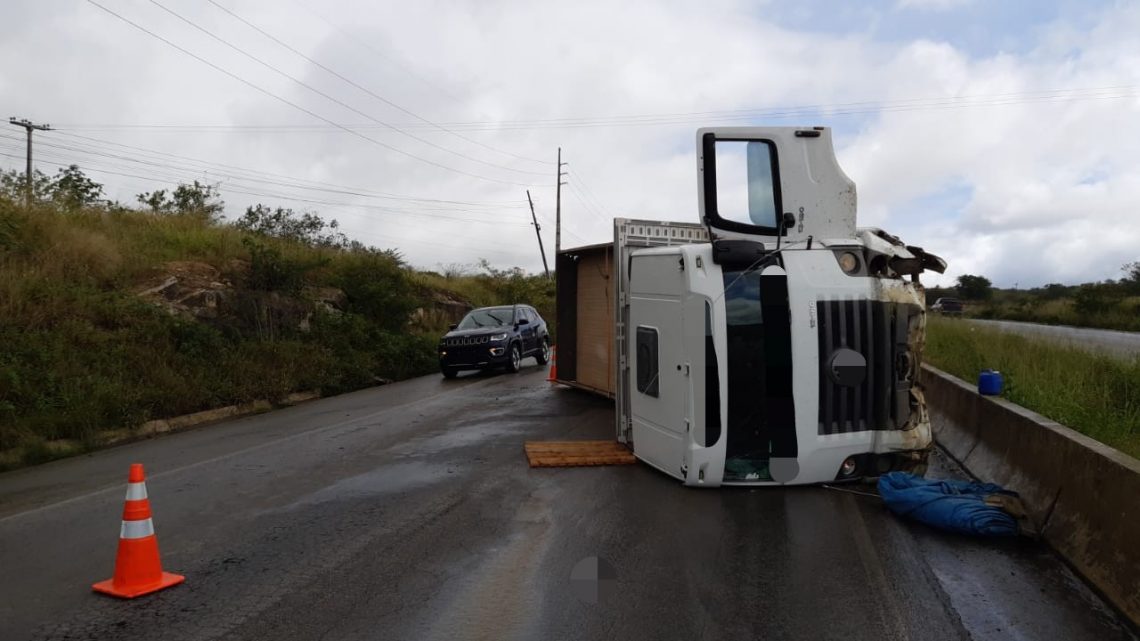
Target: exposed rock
{"points": [[441, 311], [188, 288], [331, 299]]}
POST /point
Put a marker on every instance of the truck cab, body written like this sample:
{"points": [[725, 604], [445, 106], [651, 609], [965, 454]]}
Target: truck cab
{"points": [[783, 346]]}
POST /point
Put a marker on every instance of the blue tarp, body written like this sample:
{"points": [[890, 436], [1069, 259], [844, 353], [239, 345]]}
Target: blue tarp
{"points": [[958, 506]]}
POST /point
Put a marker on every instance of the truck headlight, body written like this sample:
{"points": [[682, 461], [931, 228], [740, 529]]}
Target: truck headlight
{"points": [[499, 337], [849, 466], [849, 262]]}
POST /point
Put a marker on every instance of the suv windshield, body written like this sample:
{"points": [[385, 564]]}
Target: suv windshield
{"points": [[487, 317]]}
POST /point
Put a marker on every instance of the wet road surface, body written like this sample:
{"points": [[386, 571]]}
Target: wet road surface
{"points": [[408, 512], [1107, 341]]}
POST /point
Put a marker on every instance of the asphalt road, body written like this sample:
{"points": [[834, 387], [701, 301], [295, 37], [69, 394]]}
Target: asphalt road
{"points": [[408, 512], [1122, 344]]}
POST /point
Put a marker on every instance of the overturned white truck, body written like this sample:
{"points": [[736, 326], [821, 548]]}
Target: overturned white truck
{"points": [[774, 344]]}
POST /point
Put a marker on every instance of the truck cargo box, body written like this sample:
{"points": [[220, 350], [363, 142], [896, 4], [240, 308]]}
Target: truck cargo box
{"points": [[590, 285]]}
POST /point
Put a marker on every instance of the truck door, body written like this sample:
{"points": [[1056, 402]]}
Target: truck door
{"points": [[760, 183], [660, 396]]}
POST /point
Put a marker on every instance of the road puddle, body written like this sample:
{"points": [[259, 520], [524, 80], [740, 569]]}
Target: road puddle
{"points": [[387, 479]]}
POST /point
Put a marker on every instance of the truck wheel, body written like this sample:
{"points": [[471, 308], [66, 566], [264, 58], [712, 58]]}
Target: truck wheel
{"points": [[543, 355], [449, 372], [515, 363]]}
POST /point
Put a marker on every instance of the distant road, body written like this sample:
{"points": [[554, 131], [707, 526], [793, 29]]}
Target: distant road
{"points": [[1123, 344]]}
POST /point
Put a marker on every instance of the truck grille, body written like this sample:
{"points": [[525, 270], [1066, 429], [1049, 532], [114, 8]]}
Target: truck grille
{"points": [[878, 331], [459, 341]]}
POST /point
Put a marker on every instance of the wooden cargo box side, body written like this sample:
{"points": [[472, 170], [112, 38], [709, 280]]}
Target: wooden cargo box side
{"points": [[586, 318]]}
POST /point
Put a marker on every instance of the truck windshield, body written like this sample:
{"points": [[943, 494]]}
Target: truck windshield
{"points": [[748, 446], [487, 317]]}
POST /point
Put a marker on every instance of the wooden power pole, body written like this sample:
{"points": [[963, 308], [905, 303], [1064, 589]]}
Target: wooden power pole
{"points": [[29, 126], [538, 229], [558, 207]]}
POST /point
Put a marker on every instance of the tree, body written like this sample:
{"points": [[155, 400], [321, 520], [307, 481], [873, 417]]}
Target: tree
{"points": [[306, 227], [71, 189], [974, 287], [13, 185], [377, 287], [1093, 298], [1131, 280], [198, 199], [1053, 291]]}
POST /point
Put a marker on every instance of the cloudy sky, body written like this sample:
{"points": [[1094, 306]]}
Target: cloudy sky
{"points": [[1003, 135]]}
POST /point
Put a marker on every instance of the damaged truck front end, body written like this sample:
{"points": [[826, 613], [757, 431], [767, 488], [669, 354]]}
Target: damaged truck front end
{"points": [[784, 347]]}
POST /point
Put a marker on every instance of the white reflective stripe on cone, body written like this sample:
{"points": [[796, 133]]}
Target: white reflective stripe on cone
{"points": [[137, 529], [136, 491]]}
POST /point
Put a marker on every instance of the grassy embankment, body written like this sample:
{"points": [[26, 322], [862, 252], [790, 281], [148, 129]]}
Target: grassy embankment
{"points": [[1106, 305], [1122, 314], [81, 353], [1095, 394]]}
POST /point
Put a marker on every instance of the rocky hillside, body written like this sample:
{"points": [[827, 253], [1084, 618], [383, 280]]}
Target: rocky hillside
{"points": [[110, 317]]}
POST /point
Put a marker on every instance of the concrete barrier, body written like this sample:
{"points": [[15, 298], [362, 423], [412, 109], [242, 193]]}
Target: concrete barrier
{"points": [[1083, 496]]}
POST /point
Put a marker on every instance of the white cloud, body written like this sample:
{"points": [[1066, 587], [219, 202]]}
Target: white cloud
{"points": [[932, 5], [1048, 185]]}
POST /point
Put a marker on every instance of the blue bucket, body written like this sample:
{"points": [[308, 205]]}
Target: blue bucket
{"points": [[990, 383]]}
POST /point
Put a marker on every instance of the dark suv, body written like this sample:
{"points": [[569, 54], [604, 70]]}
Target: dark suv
{"points": [[494, 337]]}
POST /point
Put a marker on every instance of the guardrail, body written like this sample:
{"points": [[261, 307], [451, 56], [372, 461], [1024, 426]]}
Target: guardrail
{"points": [[1083, 496]]}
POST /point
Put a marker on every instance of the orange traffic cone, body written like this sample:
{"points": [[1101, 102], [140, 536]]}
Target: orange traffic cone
{"points": [[138, 570], [553, 375]]}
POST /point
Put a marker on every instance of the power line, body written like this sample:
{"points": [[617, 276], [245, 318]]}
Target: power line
{"points": [[298, 107], [587, 191], [585, 206], [166, 167], [349, 35], [237, 187], [292, 184], [703, 117], [369, 192], [366, 90], [592, 203], [334, 99], [343, 207], [160, 172]]}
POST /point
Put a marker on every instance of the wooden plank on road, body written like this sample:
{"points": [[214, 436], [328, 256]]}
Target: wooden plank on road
{"points": [[577, 453]]}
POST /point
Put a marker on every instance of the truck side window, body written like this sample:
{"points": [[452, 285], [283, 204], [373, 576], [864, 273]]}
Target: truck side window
{"points": [[712, 384], [647, 370], [747, 187]]}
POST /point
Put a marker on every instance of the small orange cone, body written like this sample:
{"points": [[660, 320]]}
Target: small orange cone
{"points": [[553, 375], [138, 570]]}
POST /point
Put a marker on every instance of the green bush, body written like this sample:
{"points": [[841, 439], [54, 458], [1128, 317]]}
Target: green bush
{"points": [[377, 287]]}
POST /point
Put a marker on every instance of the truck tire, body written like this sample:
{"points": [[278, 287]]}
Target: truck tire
{"points": [[515, 362], [543, 353]]}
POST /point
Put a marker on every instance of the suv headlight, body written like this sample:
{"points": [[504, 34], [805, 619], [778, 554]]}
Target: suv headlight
{"points": [[499, 337]]}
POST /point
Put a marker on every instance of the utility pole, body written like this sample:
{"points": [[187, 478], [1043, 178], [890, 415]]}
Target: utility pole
{"points": [[29, 126], [537, 229], [558, 206]]}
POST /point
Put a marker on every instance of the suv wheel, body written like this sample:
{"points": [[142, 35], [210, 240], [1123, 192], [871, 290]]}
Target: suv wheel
{"points": [[516, 359], [449, 372], [543, 355]]}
